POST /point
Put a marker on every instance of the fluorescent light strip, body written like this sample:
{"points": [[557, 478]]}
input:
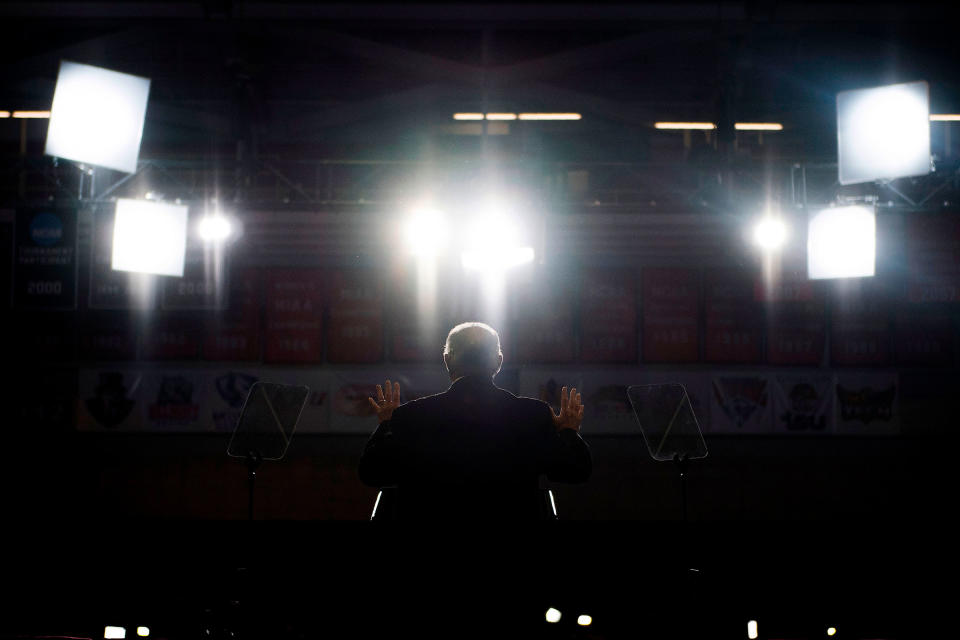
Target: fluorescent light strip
{"points": [[31, 114], [501, 116], [549, 116], [684, 125], [945, 117], [758, 126], [468, 116]]}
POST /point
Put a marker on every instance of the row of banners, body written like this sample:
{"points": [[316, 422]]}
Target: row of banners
{"points": [[210, 400]]}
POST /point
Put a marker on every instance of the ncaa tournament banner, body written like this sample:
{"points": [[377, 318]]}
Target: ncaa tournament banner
{"points": [[350, 411], [923, 337], [859, 324], [803, 404], [670, 312], [294, 331], [542, 321], [608, 315], [796, 321], [111, 289], [355, 320], [932, 254], [733, 332], [234, 332], [45, 258], [110, 400], [204, 283], [422, 309], [740, 402], [174, 401], [867, 403], [168, 337]]}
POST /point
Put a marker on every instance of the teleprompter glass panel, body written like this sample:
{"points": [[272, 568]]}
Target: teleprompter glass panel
{"points": [[268, 420], [667, 421]]}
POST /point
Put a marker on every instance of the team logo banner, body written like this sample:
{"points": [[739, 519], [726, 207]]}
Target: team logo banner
{"points": [[45, 258], [111, 400], [803, 404], [868, 403], [740, 403], [350, 411], [174, 401]]}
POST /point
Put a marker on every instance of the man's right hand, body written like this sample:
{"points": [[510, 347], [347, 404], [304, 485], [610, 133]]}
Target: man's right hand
{"points": [[387, 402], [571, 411]]}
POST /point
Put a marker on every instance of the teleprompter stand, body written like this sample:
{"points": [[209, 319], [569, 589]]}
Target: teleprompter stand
{"points": [[266, 425]]}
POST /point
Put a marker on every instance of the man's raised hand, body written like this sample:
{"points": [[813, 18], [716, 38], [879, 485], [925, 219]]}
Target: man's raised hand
{"points": [[388, 402], [571, 411]]}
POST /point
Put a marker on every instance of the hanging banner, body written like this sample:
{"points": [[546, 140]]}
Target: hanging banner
{"points": [[670, 312], [45, 258], [732, 327], [422, 310], [234, 333], [740, 403], [859, 324], [294, 315], [923, 338], [608, 315], [170, 338], [111, 289], [204, 282], [867, 403], [542, 321], [803, 404], [796, 321], [932, 254], [355, 327], [110, 399], [107, 335], [43, 336]]}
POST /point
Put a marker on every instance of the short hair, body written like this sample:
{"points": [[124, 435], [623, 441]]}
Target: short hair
{"points": [[473, 347]]}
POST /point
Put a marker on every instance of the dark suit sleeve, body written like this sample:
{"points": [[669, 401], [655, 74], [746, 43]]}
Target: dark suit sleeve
{"points": [[380, 462], [566, 456]]}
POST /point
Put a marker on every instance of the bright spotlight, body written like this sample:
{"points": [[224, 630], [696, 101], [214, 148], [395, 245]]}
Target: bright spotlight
{"points": [[114, 633], [214, 228], [883, 132], [584, 621], [97, 116], [553, 615], [426, 232], [841, 243], [143, 632], [149, 237], [770, 233], [832, 631], [493, 244], [752, 630]]}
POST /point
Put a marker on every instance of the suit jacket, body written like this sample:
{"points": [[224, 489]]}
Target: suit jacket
{"points": [[474, 451]]}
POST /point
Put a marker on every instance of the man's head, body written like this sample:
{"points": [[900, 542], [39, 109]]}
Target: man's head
{"points": [[472, 348]]}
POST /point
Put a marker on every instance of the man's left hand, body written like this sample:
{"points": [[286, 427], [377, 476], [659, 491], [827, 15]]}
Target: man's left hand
{"points": [[388, 401]]}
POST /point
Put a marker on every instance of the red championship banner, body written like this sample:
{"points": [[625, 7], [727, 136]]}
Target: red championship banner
{"points": [[670, 312], [170, 338], [608, 315], [922, 338], [355, 327], [796, 321], [294, 315], [933, 258], [859, 324], [107, 335], [542, 321], [234, 334], [421, 313], [732, 327]]}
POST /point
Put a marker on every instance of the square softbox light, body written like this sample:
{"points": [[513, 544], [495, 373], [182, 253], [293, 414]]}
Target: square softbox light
{"points": [[149, 237], [883, 132], [842, 243], [97, 116]]}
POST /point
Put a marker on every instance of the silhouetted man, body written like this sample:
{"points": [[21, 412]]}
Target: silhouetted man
{"points": [[474, 451]]}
